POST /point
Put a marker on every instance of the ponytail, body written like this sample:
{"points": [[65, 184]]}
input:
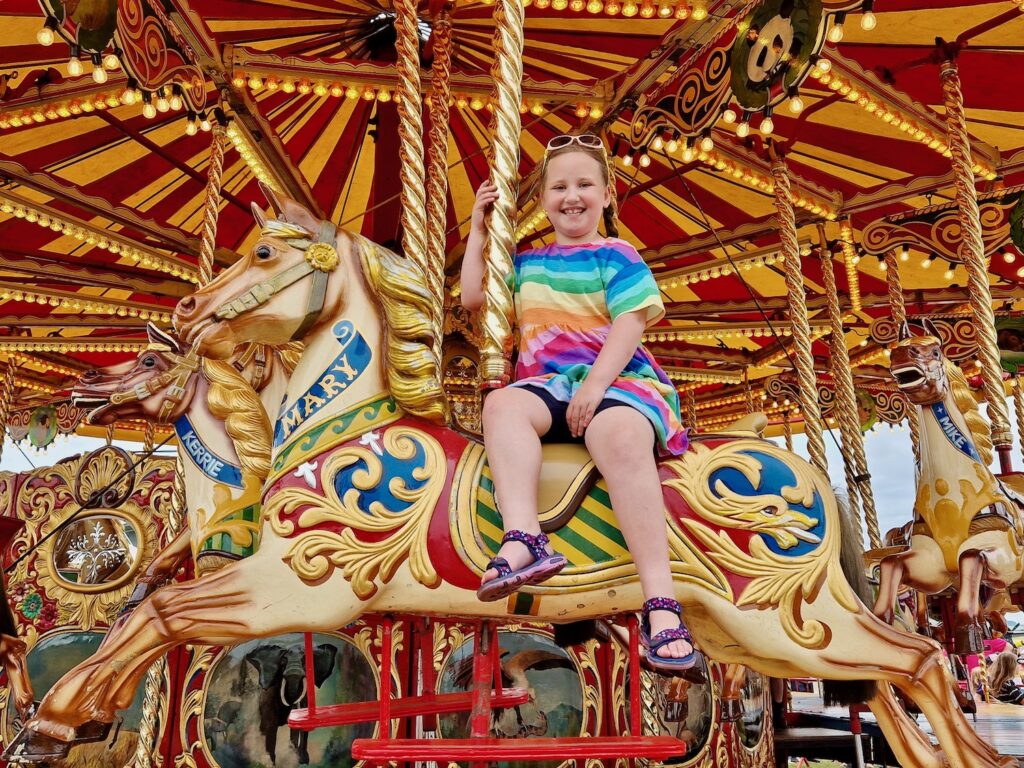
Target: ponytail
{"points": [[611, 227]]}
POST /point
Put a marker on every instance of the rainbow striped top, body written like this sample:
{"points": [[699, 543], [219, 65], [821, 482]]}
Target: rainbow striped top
{"points": [[566, 299]]}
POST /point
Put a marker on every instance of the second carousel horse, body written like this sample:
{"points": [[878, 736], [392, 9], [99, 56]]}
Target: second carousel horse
{"points": [[967, 528]]}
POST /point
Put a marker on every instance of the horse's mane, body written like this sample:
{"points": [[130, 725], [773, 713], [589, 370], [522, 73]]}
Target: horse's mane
{"points": [[234, 401], [968, 406], [413, 371]]}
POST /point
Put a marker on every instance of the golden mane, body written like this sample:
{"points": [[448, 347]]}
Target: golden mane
{"points": [[234, 401], [413, 372], [964, 399]]}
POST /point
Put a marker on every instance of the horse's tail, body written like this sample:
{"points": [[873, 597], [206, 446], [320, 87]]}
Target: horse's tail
{"points": [[851, 560]]}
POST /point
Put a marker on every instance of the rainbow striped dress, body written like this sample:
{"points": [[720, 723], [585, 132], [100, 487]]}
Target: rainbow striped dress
{"points": [[566, 299]]}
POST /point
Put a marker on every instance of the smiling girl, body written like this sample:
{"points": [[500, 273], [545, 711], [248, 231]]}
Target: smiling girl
{"points": [[582, 303]]}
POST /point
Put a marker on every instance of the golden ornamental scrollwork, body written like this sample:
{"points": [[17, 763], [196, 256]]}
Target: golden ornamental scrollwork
{"points": [[366, 564], [202, 660], [105, 478], [782, 520]]}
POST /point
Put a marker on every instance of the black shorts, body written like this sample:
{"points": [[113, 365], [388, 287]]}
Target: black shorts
{"points": [[560, 432]]}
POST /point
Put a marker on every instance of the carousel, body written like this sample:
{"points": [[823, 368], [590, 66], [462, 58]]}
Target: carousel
{"points": [[230, 243]]}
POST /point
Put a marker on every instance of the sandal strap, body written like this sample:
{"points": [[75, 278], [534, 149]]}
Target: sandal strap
{"points": [[668, 635], [537, 544], [500, 564], [662, 604]]}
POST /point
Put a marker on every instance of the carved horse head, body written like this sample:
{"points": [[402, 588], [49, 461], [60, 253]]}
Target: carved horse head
{"points": [[919, 368], [157, 386]]}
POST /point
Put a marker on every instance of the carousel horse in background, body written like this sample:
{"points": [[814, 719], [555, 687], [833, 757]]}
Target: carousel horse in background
{"points": [[13, 650], [967, 528], [219, 411], [373, 506]]}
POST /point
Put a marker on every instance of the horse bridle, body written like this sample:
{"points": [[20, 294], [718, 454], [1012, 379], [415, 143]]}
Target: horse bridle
{"points": [[174, 378], [318, 263]]}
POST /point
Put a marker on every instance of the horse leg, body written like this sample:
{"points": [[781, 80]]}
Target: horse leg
{"points": [[733, 678], [12, 652], [256, 597], [890, 574], [913, 748], [969, 635]]}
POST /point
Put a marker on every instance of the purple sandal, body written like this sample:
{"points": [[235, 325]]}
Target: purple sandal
{"points": [[665, 664], [544, 566]]}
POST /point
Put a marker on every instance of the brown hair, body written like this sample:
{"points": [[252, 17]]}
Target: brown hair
{"points": [[1003, 669], [611, 226]]}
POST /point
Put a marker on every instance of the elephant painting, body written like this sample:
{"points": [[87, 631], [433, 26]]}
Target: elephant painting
{"points": [[282, 688]]}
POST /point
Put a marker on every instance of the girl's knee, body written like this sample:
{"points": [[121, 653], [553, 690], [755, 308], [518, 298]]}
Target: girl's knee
{"points": [[500, 406]]}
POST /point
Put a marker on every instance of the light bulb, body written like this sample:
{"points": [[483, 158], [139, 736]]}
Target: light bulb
{"points": [[162, 104], [149, 110], [1008, 257], [926, 262], [868, 21], [824, 65], [948, 274], [673, 145], [111, 62], [700, 12], [664, 10], [658, 144], [45, 35], [729, 115], [176, 102], [191, 128], [627, 160], [645, 160], [743, 129], [905, 253], [577, 5], [646, 10], [559, 5], [99, 74], [204, 122], [613, 8], [74, 67], [796, 105], [707, 144], [767, 126], [595, 6], [629, 8], [835, 35]]}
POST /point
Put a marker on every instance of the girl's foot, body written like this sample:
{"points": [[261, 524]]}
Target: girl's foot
{"points": [[524, 559], [665, 637]]}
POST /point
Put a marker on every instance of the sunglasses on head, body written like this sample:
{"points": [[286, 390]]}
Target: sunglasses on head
{"points": [[588, 140]]}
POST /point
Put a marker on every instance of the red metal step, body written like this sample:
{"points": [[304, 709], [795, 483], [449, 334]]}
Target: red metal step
{"points": [[492, 750], [410, 706]]}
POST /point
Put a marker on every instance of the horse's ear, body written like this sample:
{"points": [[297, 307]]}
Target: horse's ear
{"points": [[259, 215], [272, 198], [931, 328], [904, 331], [157, 336]]}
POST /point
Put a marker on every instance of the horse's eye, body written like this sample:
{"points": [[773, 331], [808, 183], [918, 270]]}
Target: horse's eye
{"points": [[264, 252], [149, 362]]}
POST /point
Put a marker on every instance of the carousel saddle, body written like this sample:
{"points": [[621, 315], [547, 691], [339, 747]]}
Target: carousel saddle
{"points": [[568, 473]]}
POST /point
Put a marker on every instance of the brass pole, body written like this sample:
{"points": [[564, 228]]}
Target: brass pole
{"points": [[507, 71], [7, 398], [972, 252], [786, 219], [211, 205], [899, 316]]}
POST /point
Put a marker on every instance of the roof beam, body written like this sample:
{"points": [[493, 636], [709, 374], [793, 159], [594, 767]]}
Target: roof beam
{"points": [[163, 237], [249, 123], [39, 265]]}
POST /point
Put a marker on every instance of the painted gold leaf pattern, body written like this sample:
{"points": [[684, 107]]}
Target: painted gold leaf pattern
{"points": [[314, 553]]}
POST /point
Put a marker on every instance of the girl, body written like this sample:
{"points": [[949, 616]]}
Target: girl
{"points": [[1001, 679], [583, 304]]}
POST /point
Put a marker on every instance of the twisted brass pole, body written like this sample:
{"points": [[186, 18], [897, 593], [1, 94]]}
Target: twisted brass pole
{"points": [[148, 437], [972, 252], [806, 378], [410, 141], [1018, 407], [899, 316], [153, 707], [854, 458], [747, 394], [691, 409], [507, 71], [211, 205], [7, 398], [437, 170], [787, 429]]}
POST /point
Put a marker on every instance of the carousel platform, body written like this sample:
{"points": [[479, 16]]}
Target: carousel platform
{"points": [[1001, 725]]}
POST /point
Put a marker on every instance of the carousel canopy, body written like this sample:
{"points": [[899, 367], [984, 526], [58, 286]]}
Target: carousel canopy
{"points": [[105, 149]]}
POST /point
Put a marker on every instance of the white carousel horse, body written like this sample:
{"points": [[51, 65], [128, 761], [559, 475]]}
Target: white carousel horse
{"points": [[371, 506]]}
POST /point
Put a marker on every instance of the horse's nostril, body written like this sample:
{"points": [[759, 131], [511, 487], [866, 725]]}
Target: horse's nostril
{"points": [[186, 306], [89, 375]]}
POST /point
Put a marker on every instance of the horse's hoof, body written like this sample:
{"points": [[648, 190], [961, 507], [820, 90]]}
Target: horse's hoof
{"points": [[732, 710], [30, 747], [969, 638]]}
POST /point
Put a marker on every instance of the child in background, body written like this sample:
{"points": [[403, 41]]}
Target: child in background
{"points": [[582, 305]]}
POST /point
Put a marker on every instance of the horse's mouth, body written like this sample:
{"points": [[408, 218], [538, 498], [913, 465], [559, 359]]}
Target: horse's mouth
{"points": [[909, 377], [100, 408], [803, 535]]}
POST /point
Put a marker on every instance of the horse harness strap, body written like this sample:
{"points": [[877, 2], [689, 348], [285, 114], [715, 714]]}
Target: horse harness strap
{"points": [[261, 293], [176, 377]]}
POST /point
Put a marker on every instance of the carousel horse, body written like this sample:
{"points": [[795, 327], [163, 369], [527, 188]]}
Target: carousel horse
{"points": [[219, 411], [967, 528], [373, 506]]}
